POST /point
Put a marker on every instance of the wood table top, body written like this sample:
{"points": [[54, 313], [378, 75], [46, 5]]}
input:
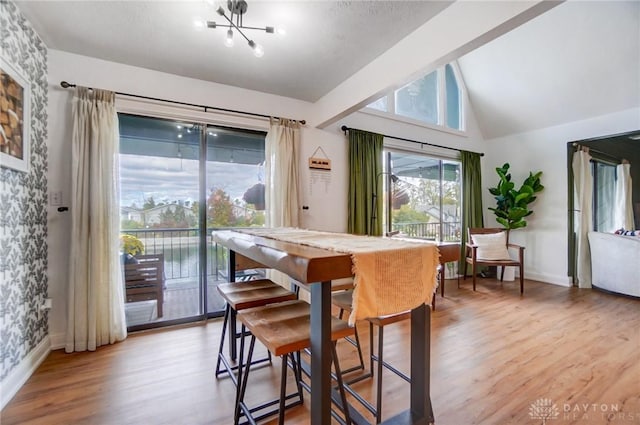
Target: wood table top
{"points": [[303, 263]]}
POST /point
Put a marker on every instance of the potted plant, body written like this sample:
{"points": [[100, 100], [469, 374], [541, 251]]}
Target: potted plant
{"points": [[512, 205], [130, 246]]}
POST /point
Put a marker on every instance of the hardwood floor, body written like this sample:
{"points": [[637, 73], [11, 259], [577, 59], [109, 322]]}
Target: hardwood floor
{"points": [[494, 354]]}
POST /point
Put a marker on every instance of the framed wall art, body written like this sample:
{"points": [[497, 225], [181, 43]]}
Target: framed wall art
{"points": [[14, 117]]}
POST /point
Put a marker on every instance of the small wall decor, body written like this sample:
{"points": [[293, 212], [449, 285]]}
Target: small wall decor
{"points": [[14, 118], [319, 163]]}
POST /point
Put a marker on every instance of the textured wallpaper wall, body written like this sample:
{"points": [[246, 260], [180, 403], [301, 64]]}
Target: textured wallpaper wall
{"points": [[23, 204]]}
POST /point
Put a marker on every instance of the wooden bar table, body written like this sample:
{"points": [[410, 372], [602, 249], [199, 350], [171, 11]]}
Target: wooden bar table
{"points": [[318, 267]]}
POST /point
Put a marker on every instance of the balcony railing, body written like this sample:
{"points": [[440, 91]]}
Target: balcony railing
{"points": [[180, 249], [431, 231], [180, 246]]}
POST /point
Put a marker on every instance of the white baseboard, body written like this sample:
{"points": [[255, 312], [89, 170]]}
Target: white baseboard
{"points": [[57, 341], [548, 278], [19, 375]]}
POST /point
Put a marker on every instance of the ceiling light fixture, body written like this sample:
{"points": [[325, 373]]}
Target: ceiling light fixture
{"points": [[237, 8]]}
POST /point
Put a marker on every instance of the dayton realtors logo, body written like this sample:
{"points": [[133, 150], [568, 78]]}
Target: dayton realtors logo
{"points": [[545, 409]]}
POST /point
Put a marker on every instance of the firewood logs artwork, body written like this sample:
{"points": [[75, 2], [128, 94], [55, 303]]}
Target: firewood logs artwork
{"points": [[11, 116]]}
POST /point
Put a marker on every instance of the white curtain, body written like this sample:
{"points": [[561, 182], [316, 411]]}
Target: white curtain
{"points": [[623, 211], [282, 145], [95, 296], [583, 195]]}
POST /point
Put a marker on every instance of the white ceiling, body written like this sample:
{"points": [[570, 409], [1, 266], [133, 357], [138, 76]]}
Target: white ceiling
{"points": [[578, 60], [326, 41]]}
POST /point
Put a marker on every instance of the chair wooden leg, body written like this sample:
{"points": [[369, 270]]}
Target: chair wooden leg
{"points": [[473, 277], [502, 273], [521, 279], [160, 300]]}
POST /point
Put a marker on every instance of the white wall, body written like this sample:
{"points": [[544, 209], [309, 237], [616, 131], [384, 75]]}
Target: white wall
{"points": [[545, 237], [327, 206]]}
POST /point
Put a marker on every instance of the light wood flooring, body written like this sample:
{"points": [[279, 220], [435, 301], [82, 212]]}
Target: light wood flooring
{"points": [[493, 352]]}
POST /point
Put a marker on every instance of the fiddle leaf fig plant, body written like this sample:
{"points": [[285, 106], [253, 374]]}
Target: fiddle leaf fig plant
{"points": [[512, 205]]}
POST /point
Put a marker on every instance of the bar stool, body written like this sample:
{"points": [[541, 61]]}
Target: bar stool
{"points": [[284, 328], [343, 301], [239, 296]]}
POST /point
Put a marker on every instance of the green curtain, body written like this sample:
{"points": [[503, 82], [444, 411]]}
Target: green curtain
{"points": [[471, 198], [365, 183]]}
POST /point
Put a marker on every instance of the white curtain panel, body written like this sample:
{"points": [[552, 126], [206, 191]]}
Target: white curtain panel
{"points": [[96, 295], [583, 195], [623, 211], [282, 145]]}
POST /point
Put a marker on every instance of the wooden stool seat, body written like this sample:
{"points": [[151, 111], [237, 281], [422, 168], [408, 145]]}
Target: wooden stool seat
{"points": [[390, 319], [284, 328], [342, 300], [253, 293], [240, 296]]}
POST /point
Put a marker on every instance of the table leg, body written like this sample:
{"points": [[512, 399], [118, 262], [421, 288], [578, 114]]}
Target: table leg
{"points": [[321, 353], [421, 409], [231, 272]]}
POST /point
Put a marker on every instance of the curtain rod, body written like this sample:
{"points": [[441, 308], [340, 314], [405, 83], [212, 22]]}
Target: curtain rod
{"points": [[345, 129], [578, 145], [206, 108]]}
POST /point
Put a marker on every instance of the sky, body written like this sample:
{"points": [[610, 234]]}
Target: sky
{"points": [[174, 179]]}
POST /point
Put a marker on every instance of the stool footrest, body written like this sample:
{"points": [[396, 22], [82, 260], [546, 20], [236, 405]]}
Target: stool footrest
{"points": [[248, 413], [229, 369], [392, 369]]}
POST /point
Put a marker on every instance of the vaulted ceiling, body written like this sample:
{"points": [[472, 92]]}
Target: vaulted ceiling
{"points": [[577, 61], [573, 61]]}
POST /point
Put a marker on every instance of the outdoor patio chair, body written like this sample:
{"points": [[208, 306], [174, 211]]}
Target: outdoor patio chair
{"points": [[144, 279]]}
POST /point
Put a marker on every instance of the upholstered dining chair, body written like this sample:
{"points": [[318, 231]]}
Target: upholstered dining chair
{"points": [[489, 247]]}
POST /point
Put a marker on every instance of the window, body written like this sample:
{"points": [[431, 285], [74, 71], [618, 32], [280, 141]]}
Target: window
{"points": [[419, 99], [453, 99], [604, 189], [435, 99], [380, 104], [423, 196]]}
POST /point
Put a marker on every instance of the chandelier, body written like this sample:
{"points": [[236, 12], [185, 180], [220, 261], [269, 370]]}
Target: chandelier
{"points": [[237, 8]]}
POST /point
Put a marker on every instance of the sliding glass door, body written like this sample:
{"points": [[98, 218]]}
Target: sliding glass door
{"points": [[179, 181]]}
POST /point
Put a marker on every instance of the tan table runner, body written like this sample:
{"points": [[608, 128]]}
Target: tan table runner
{"points": [[390, 275]]}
